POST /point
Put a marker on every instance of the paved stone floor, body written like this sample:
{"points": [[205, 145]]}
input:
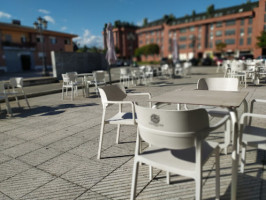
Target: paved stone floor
{"points": [[49, 152]]}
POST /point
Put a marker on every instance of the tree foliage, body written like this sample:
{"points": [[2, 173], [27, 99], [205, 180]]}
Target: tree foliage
{"points": [[261, 40], [92, 49], [118, 24], [145, 21], [220, 46], [149, 49], [210, 10]]}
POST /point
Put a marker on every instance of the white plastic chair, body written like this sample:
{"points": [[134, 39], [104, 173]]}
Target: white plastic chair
{"points": [[16, 84], [178, 69], [125, 76], [73, 77], [116, 94], [251, 135], [238, 70], [177, 144], [149, 72], [220, 84], [67, 83], [98, 79], [165, 70], [4, 96]]}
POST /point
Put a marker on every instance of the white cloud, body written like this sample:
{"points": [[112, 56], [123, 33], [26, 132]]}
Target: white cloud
{"points": [[44, 11], [5, 15], [49, 19], [89, 40], [63, 28]]}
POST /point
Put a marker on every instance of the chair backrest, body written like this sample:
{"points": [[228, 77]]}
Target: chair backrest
{"points": [[16, 82], [218, 84], [172, 129], [112, 93], [125, 71], [66, 78], [99, 76], [72, 76]]}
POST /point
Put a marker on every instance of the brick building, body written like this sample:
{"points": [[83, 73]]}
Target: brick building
{"points": [[125, 40], [197, 34], [21, 46]]}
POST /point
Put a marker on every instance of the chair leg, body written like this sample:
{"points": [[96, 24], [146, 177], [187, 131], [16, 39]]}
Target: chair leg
{"points": [[26, 99], [198, 178], [118, 133], [101, 136], [168, 176], [72, 93], [16, 97], [227, 136], [8, 108], [134, 180], [150, 172], [217, 170], [63, 93], [243, 158]]}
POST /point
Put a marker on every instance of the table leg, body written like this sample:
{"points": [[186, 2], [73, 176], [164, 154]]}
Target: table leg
{"points": [[235, 155]]}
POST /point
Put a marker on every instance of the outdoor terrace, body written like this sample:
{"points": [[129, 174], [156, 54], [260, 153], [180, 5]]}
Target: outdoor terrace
{"points": [[49, 152]]}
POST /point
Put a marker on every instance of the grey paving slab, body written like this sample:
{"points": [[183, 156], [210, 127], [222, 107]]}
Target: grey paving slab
{"points": [[40, 156], [61, 164], [57, 189], [4, 158], [12, 168], [9, 141], [24, 183], [92, 195], [21, 149]]}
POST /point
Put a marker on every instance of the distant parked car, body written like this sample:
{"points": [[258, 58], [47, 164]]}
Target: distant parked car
{"points": [[164, 61], [119, 63], [207, 61], [263, 57]]}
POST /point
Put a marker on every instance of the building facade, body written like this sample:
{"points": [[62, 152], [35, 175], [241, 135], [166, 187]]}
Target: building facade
{"points": [[23, 48], [197, 34]]}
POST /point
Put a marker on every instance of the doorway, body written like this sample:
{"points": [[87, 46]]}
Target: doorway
{"points": [[25, 62]]}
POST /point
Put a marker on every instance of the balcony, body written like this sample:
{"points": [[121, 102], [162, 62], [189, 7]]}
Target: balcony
{"points": [[19, 45]]}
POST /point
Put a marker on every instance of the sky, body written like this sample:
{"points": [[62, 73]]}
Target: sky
{"points": [[86, 18]]}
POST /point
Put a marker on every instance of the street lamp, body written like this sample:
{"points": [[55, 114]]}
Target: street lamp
{"points": [[40, 25]]}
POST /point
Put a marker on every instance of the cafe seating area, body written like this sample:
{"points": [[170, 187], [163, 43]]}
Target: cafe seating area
{"points": [[80, 151]]}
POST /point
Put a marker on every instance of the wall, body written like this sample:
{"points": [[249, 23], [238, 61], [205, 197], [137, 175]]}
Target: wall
{"points": [[63, 62]]}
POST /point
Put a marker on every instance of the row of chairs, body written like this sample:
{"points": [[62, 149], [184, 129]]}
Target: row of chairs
{"points": [[181, 69], [72, 81], [140, 75], [176, 138]]}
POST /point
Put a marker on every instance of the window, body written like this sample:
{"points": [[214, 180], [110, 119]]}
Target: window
{"points": [[249, 30], [8, 38], [242, 22], [242, 33], [264, 27], [230, 22], [211, 26], [250, 20], [140, 42], [183, 30], [192, 28], [230, 32], [53, 40], [182, 38], [230, 41], [264, 17], [182, 46], [241, 41], [218, 41], [40, 39], [67, 41], [23, 39], [219, 24], [218, 33], [249, 41], [210, 45], [158, 40], [152, 40], [199, 29], [199, 46]]}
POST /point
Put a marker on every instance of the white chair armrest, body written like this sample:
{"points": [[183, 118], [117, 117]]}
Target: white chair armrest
{"points": [[251, 115], [124, 102], [220, 123], [139, 94]]}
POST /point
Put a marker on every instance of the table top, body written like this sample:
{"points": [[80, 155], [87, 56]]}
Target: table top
{"points": [[85, 74], [202, 97]]}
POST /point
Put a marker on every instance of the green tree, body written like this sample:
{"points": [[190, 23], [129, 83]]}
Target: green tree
{"points": [[145, 22], [210, 10], [220, 47], [150, 49], [261, 40]]}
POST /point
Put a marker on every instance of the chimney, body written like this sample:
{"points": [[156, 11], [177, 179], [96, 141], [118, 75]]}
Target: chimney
{"points": [[16, 22]]}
